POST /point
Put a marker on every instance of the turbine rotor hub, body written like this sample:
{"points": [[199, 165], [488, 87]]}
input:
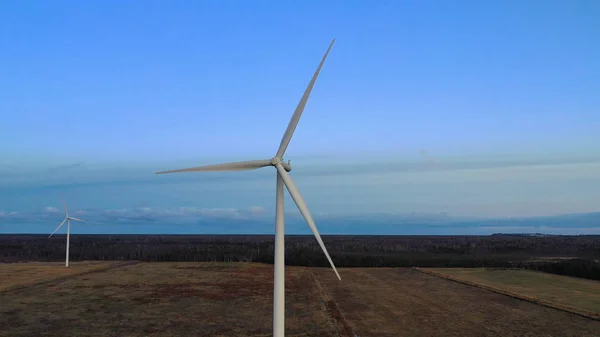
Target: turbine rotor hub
{"points": [[277, 160]]}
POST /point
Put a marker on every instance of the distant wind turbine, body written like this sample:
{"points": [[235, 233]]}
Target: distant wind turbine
{"points": [[68, 221], [283, 178]]}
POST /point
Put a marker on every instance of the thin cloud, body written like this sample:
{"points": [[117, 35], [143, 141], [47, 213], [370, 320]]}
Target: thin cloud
{"points": [[51, 209], [62, 168], [146, 214]]}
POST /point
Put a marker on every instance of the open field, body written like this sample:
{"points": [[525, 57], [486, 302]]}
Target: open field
{"points": [[17, 275], [562, 291], [235, 299], [405, 302], [165, 299]]}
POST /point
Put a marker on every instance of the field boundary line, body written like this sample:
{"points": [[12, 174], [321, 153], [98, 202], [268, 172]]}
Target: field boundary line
{"points": [[335, 313], [531, 299], [59, 279]]}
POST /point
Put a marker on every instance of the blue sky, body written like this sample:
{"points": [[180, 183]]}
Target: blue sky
{"points": [[432, 110]]}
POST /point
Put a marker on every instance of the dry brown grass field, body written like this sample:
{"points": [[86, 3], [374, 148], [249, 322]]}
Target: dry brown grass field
{"points": [[165, 299], [13, 275], [405, 302], [235, 299], [560, 291]]}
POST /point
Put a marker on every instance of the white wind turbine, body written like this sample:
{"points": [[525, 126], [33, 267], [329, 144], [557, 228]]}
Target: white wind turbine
{"points": [[283, 178], [68, 221]]}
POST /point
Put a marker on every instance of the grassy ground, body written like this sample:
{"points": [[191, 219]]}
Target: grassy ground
{"points": [[405, 302], [165, 299], [570, 291], [23, 274], [225, 299]]}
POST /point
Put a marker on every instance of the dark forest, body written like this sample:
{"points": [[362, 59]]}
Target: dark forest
{"points": [[577, 256]]}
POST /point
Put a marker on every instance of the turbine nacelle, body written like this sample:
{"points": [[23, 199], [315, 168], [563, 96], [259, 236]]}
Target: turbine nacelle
{"points": [[277, 160], [67, 219]]}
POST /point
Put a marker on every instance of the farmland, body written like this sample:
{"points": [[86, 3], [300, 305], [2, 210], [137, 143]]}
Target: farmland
{"points": [[24, 274], [164, 299], [405, 302], [235, 299], [583, 295]]}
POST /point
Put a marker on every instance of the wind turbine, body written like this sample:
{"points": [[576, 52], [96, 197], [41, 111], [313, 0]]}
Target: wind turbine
{"points": [[283, 178], [68, 221]]}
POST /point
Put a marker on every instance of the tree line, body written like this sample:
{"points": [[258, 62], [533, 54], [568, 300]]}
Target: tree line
{"points": [[565, 255]]}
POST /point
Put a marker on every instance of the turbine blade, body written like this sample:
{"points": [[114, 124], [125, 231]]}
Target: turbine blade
{"points": [[65, 205], [75, 219], [295, 193], [289, 132], [235, 166], [59, 226]]}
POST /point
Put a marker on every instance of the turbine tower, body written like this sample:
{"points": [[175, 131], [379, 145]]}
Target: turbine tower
{"points": [[283, 178], [68, 221]]}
